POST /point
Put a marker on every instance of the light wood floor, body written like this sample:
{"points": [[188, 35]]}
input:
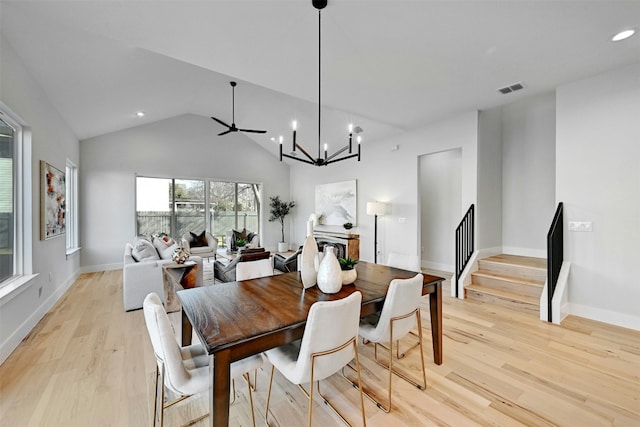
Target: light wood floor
{"points": [[88, 363]]}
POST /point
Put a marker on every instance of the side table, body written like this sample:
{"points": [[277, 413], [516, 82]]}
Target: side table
{"points": [[177, 277]]}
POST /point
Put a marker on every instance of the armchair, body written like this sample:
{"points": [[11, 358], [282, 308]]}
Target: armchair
{"points": [[203, 245], [287, 264], [227, 273]]}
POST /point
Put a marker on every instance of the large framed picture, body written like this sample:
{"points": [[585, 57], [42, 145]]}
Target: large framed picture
{"points": [[336, 203], [53, 202]]}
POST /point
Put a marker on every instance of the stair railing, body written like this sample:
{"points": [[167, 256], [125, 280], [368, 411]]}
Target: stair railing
{"points": [[464, 243], [555, 257]]}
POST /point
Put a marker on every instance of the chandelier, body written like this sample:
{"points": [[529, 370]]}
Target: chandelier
{"points": [[327, 159]]}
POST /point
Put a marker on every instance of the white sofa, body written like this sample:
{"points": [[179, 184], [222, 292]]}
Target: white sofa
{"points": [[144, 277]]}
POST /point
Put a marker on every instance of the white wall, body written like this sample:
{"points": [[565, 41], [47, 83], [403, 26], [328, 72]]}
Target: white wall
{"points": [[440, 195], [489, 207], [182, 147], [528, 174], [598, 179], [390, 176], [53, 141]]}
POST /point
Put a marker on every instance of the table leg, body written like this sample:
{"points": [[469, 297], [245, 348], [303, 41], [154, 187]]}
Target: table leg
{"points": [[219, 367], [435, 309], [186, 330]]}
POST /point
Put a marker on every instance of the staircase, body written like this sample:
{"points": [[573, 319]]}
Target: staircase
{"points": [[509, 280]]}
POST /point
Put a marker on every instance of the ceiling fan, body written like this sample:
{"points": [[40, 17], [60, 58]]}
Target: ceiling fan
{"points": [[233, 127]]}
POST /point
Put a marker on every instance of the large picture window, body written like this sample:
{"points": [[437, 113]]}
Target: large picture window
{"points": [[7, 200], [177, 206]]}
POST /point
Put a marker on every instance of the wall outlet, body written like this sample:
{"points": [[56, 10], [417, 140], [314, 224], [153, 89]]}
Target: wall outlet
{"points": [[402, 220], [580, 226]]}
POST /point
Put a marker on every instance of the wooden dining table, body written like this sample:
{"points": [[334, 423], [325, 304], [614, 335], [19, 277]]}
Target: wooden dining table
{"points": [[235, 320]]}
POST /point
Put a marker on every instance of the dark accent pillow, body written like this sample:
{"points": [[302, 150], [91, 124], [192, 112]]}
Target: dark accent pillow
{"points": [[240, 234], [199, 240]]}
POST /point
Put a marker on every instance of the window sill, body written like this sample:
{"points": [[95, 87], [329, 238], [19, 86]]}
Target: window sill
{"points": [[72, 251], [15, 287]]}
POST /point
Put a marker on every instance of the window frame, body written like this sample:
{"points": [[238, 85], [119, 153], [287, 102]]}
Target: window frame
{"points": [[23, 209], [72, 220]]}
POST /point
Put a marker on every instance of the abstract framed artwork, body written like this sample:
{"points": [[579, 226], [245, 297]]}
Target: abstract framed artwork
{"points": [[53, 202], [336, 203]]}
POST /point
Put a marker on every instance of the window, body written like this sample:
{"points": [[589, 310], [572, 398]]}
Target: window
{"points": [[177, 206], [72, 208], [7, 202], [15, 203]]}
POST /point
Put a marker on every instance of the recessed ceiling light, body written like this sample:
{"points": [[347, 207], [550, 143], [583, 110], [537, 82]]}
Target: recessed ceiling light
{"points": [[622, 35], [140, 114]]}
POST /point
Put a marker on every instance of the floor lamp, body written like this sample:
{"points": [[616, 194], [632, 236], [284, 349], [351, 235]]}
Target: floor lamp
{"points": [[376, 209]]}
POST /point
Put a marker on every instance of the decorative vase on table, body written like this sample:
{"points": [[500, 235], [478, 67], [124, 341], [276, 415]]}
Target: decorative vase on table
{"points": [[329, 272], [308, 255], [349, 276]]}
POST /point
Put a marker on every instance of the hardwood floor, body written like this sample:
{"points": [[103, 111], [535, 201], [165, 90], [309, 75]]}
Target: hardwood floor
{"points": [[88, 363]]}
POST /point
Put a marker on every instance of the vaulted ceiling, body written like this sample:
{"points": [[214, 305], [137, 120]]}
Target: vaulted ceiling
{"points": [[388, 66]]}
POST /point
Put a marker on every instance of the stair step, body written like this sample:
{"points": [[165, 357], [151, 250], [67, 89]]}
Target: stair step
{"points": [[515, 266], [504, 298], [525, 286]]}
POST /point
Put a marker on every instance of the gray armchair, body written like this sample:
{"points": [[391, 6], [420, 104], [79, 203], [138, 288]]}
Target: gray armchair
{"points": [[227, 273], [287, 264]]}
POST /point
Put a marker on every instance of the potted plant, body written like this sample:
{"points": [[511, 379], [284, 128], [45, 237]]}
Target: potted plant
{"points": [[278, 211], [349, 273], [347, 225]]}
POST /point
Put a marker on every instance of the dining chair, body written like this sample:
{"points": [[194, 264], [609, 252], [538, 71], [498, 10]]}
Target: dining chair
{"points": [[252, 269], [404, 261], [329, 342], [400, 313], [183, 370]]}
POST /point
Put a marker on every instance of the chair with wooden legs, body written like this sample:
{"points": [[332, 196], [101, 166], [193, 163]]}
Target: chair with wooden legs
{"points": [[252, 269], [183, 370], [400, 313], [329, 342]]}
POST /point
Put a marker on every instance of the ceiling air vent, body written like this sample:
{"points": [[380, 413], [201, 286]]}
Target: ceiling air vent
{"points": [[511, 88]]}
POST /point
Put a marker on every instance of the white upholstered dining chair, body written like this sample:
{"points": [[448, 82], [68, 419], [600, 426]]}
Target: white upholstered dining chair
{"points": [[404, 261], [329, 342], [400, 313], [253, 269], [183, 370]]}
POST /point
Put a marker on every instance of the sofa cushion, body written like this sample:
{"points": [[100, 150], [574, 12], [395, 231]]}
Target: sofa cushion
{"points": [[198, 240], [165, 246], [143, 250]]}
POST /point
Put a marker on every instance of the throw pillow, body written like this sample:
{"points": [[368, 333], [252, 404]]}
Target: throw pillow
{"points": [[143, 250], [167, 251], [240, 234], [199, 240]]}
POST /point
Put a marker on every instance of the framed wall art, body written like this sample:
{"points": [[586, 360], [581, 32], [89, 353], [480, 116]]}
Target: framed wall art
{"points": [[53, 202], [336, 203]]}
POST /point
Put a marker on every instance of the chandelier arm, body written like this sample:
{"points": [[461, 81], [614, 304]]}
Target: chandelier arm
{"points": [[337, 153], [341, 159], [298, 159], [299, 147]]}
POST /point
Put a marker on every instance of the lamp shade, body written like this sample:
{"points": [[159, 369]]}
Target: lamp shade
{"points": [[376, 208]]}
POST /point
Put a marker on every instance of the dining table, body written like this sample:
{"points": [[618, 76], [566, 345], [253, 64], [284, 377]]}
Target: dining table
{"points": [[235, 320]]}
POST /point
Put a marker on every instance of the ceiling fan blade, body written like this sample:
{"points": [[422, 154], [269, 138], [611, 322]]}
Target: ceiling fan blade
{"points": [[221, 122], [252, 130], [225, 132]]}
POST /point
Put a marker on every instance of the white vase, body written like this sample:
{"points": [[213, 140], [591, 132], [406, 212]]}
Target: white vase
{"points": [[329, 273], [307, 258], [283, 246], [349, 276]]}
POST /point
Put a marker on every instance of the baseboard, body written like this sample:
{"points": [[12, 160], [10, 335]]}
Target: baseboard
{"points": [[437, 266], [534, 253], [611, 317], [102, 267], [11, 343]]}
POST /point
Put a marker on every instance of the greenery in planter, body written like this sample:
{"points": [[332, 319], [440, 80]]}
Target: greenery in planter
{"points": [[347, 225], [347, 263], [279, 210], [240, 243]]}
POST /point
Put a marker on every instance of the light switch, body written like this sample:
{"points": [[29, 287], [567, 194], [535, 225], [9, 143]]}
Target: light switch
{"points": [[402, 220], [580, 226]]}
